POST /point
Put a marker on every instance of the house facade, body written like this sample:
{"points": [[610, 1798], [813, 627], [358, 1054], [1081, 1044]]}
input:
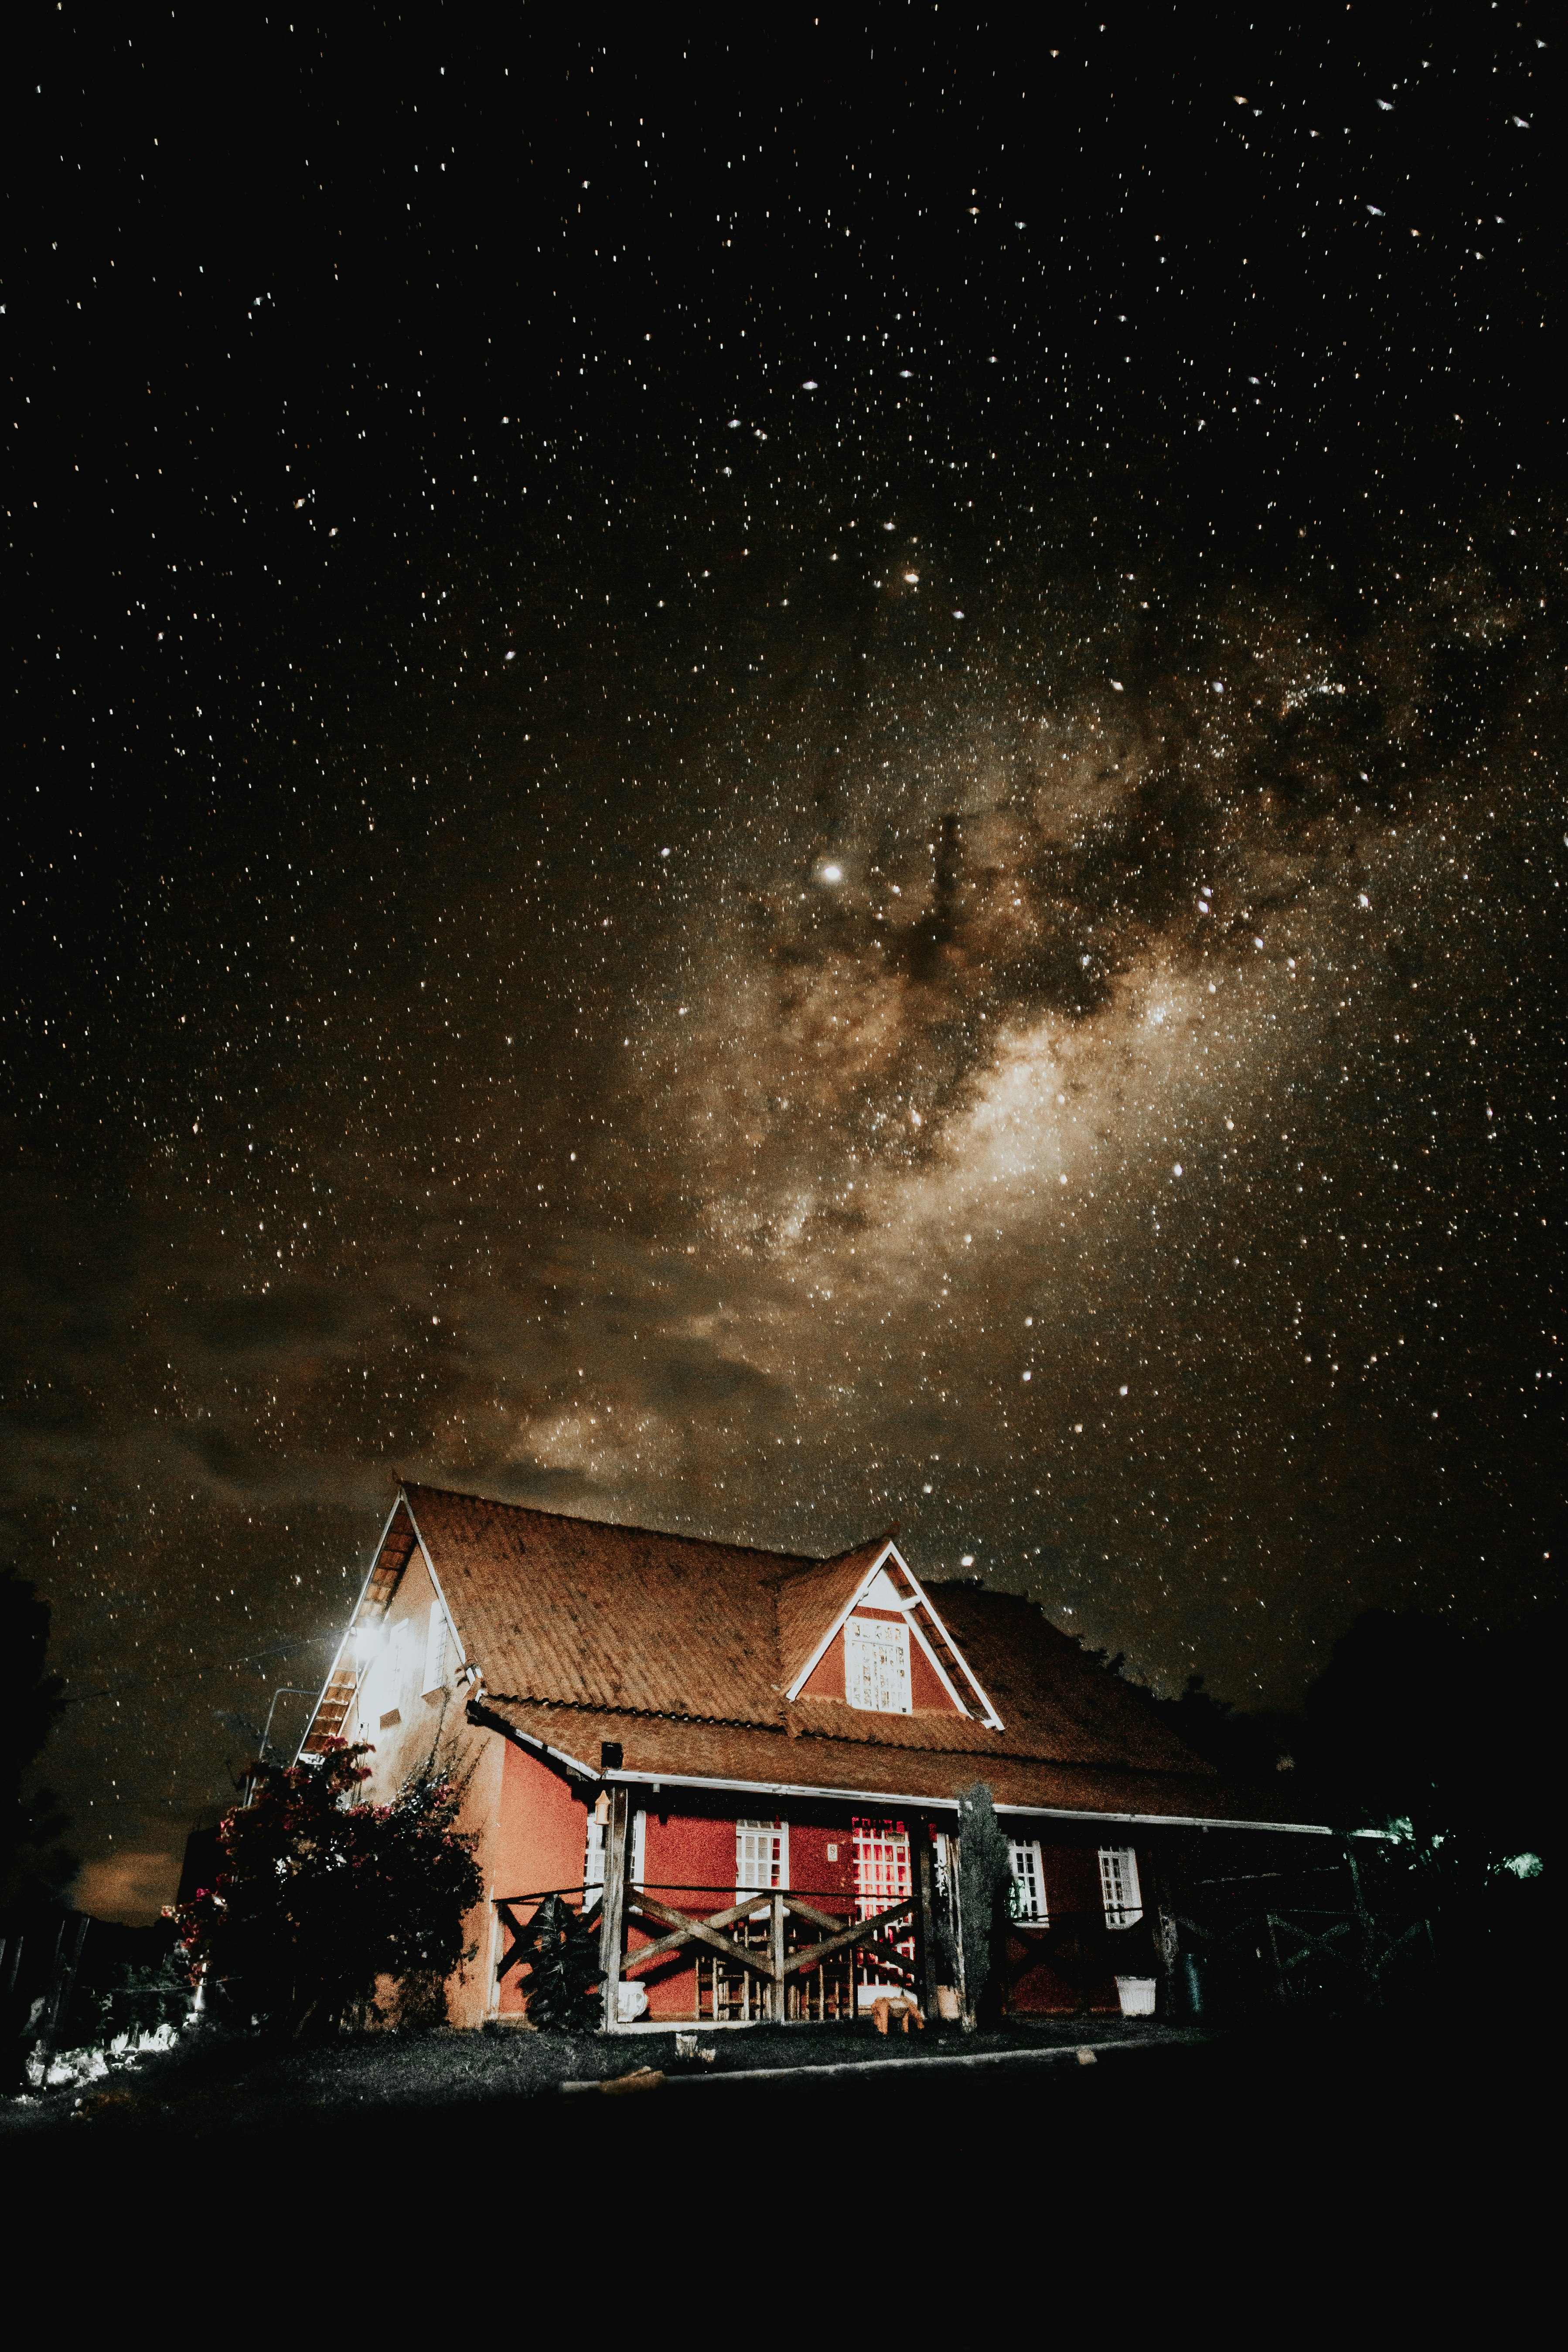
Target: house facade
{"points": [[747, 1769]]}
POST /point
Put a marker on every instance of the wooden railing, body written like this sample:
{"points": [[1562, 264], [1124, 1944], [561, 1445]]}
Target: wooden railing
{"points": [[872, 1949]]}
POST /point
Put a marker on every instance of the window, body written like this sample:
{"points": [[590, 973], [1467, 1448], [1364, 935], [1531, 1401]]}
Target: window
{"points": [[882, 1865], [598, 1839], [436, 1648], [881, 1879], [1028, 1883], [1119, 1886], [761, 1856], [877, 1664], [593, 1860]]}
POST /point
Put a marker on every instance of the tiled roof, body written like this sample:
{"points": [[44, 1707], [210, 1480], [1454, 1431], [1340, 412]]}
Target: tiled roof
{"points": [[810, 1599], [683, 1651], [581, 1612], [655, 1748]]}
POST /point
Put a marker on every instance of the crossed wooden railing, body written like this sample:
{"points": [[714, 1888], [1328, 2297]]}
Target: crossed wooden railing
{"points": [[775, 1965]]}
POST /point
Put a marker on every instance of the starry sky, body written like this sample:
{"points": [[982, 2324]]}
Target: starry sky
{"points": [[772, 780]]}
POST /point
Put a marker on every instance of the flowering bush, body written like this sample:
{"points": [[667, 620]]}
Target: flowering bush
{"points": [[322, 1895]]}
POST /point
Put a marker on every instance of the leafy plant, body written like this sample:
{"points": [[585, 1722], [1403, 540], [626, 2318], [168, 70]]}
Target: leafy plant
{"points": [[133, 1999], [322, 1898], [564, 1976]]}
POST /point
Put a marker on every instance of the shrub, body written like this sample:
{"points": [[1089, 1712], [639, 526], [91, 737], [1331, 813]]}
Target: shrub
{"points": [[321, 1896], [564, 1976], [985, 1888]]}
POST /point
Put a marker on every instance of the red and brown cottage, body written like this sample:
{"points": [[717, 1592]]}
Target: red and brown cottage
{"points": [[751, 1762]]}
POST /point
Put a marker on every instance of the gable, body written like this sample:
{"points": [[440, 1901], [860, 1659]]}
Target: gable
{"points": [[919, 1670]]}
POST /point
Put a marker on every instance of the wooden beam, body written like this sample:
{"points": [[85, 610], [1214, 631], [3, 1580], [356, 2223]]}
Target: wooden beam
{"points": [[863, 1936], [612, 1923], [702, 1931], [776, 1953]]}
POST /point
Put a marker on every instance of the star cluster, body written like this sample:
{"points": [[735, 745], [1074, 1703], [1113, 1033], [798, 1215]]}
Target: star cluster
{"points": [[771, 784]]}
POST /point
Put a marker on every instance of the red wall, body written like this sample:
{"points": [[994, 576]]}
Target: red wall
{"points": [[690, 1863], [542, 1838], [1073, 1884]]}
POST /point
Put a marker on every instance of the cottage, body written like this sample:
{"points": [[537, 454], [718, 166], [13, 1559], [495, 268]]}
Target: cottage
{"points": [[747, 1766]]}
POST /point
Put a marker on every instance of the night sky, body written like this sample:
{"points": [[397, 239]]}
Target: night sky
{"points": [[772, 782]]}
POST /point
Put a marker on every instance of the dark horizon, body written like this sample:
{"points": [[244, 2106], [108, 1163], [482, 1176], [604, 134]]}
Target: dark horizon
{"points": [[777, 782]]}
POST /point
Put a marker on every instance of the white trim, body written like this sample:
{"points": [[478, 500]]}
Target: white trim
{"points": [[350, 1627], [920, 1600], [825, 1643], [992, 1718], [457, 1643], [574, 1764], [950, 1804]]}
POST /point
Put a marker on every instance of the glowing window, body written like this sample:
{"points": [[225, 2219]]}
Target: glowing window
{"points": [[877, 1665], [761, 1856], [436, 1648]]}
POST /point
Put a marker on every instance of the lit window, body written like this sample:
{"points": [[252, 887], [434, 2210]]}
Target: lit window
{"points": [[877, 1665], [594, 1858], [881, 1879], [436, 1648], [761, 1856], [1028, 1883], [1119, 1886]]}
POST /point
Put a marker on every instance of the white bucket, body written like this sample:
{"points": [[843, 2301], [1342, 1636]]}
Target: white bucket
{"points": [[633, 2001], [1136, 1995]]}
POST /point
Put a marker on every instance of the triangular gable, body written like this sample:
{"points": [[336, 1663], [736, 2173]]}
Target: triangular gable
{"points": [[816, 1596], [885, 1581], [391, 1555]]}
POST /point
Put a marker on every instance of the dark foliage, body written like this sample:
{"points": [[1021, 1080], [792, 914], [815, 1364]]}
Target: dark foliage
{"points": [[34, 1865], [320, 1897], [1446, 1737], [562, 1953]]}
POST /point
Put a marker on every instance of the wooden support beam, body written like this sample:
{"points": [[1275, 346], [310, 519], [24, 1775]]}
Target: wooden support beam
{"points": [[613, 1919], [702, 1931], [865, 1935], [776, 1953]]}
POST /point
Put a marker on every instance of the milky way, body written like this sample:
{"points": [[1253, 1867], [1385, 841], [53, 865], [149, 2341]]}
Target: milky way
{"points": [[774, 828]]}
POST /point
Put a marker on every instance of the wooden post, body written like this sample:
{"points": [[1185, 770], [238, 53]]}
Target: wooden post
{"points": [[779, 2005], [1364, 1921], [613, 1919], [925, 1921], [956, 1898]]}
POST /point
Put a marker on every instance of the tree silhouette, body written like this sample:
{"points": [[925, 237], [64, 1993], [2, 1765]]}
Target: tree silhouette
{"points": [[34, 1867]]}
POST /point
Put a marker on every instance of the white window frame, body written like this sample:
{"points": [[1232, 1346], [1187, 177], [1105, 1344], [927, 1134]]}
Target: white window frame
{"points": [[1118, 1888], [867, 1684], [598, 1840], [1029, 1877], [435, 1651], [777, 1864]]}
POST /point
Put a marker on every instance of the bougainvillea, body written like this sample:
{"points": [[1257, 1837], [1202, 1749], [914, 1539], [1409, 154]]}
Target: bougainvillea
{"points": [[322, 1898]]}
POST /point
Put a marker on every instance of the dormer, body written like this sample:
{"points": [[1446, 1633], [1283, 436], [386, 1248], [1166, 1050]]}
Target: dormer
{"points": [[874, 1643]]}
